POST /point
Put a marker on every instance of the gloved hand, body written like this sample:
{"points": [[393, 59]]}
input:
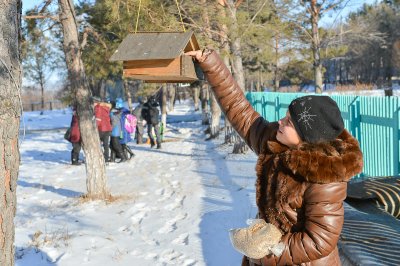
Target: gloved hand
{"points": [[258, 240]]}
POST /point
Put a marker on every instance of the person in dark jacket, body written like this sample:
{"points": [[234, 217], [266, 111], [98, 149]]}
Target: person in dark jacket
{"points": [[75, 138], [151, 114], [139, 126], [103, 121], [304, 163]]}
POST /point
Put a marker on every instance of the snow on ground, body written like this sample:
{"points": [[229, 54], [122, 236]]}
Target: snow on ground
{"points": [[175, 205]]}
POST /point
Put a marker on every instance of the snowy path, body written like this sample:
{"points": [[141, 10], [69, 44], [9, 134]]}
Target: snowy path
{"points": [[175, 208]]}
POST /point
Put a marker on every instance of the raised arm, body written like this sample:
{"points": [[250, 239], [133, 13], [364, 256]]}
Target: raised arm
{"points": [[254, 129]]}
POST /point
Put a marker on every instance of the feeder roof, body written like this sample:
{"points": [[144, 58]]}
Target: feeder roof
{"points": [[155, 45]]}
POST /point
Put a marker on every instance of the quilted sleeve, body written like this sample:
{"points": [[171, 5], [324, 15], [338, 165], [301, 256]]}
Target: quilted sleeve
{"points": [[254, 129], [324, 216]]}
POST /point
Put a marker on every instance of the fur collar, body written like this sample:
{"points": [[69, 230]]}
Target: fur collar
{"points": [[326, 162]]}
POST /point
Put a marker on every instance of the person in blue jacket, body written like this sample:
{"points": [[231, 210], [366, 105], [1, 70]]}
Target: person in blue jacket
{"points": [[116, 147]]}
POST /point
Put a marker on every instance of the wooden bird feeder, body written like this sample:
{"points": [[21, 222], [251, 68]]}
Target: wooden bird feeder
{"points": [[158, 57]]}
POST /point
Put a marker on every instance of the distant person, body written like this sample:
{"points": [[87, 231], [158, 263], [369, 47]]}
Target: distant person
{"points": [[304, 163], [75, 138], [151, 114], [116, 147], [138, 113], [125, 136], [103, 121]]}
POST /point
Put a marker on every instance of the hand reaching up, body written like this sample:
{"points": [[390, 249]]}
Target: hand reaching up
{"points": [[195, 54]]}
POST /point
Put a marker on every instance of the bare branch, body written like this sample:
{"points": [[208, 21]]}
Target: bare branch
{"points": [[258, 12], [48, 2], [55, 18], [84, 39], [238, 2], [89, 30]]}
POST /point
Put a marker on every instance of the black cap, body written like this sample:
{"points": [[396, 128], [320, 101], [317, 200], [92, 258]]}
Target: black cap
{"points": [[316, 118]]}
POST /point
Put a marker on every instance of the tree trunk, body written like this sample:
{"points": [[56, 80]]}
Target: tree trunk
{"points": [[171, 97], [164, 92], [196, 91], [95, 165], [204, 97], [215, 117], [315, 12], [276, 70], [102, 88], [10, 113], [42, 94], [225, 51], [128, 95], [235, 46], [237, 64]]}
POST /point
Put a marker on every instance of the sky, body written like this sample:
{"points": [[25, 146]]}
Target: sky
{"points": [[350, 5]]}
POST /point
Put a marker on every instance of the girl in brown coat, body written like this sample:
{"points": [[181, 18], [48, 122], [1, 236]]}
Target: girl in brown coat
{"points": [[304, 162]]}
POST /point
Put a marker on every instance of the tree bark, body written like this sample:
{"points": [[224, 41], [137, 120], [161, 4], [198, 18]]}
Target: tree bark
{"points": [[204, 97], [235, 46], [276, 70], [215, 117], [128, 95], [164, 92], [41, 78], [225, 51], [236, 64], [315, 13], [196, 95], [10, 113], [171, 97], [96, 181]]}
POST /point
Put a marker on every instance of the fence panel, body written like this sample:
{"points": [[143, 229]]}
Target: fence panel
{"points": [[373, 120], [49, 105]]}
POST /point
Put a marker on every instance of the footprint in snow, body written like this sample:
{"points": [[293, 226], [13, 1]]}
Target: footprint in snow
{"points": [[183, 240], [169, 227], [180, 216], [137, 218], [151, 256], [140, 205], [166, 195], [175, 184], [159, 191], [170, 256], [172, 206], [136, 253], [123, 229], [189, 262], [151, 242]]}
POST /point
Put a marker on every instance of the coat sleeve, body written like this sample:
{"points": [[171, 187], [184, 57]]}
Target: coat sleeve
{"points": [[324, 216], [253, 128]]}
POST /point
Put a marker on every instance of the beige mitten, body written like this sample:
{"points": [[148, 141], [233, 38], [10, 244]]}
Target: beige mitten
{"points": [[257, 240]]}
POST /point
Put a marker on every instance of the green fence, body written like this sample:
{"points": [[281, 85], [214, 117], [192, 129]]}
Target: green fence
{"points": [[373, 120]]}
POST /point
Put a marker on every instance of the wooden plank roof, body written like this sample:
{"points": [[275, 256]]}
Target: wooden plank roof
{"points": [[154, 45]]}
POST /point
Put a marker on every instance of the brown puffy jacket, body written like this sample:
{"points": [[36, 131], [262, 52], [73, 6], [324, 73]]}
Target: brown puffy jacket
{"points": [[300, 190]]}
